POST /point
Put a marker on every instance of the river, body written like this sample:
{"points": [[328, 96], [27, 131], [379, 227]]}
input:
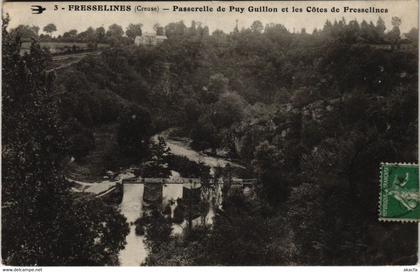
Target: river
{"points": [[135, 251]]}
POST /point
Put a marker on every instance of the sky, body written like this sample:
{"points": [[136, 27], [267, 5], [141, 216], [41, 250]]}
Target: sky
{"points": [[20, 13]]}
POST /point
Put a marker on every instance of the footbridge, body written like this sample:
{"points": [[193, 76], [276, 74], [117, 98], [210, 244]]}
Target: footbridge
{"points": [[182, 180]]}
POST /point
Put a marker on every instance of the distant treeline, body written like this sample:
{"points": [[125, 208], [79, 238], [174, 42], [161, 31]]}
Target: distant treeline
{"points": [[353, 30], [115, 34]]}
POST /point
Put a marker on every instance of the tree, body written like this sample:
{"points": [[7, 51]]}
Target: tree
{"points": [[257, 27], [327, 27], [366, 32], [133, 30], [277, 30], [102, 230], [394, 35], [175, 30], [88, 35], [310, 241], [396, 22], [204, 135], [114, 34], [50, 28], [267, 165], [242, 235], [352, 32], [26, 32], [158, 164], [134, 130], [70, 35], [159, 29], [39, 211], [193, 110], [380, 28], [227, 110], [100, 34], [158, 229], [115, 30], [81, 141], [218, 83], [35, 29], [413, 35]]}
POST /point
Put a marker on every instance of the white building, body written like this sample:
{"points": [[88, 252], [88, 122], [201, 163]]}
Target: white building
{"points": [[149, 39]]}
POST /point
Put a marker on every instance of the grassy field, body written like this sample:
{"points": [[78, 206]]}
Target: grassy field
{"points": [[61, 47], [70, 44]]}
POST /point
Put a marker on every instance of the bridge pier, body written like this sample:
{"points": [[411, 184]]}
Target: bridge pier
{"points": [[164, 191]]}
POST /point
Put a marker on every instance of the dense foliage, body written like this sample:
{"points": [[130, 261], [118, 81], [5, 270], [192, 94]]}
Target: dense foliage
{"points": [[43, 222], [312, 116]]}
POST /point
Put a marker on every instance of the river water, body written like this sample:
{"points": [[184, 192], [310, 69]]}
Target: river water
{"points": [[135, 251]]}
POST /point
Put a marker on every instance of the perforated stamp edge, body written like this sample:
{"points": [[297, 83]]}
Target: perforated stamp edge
{"points": [[384, 219]]}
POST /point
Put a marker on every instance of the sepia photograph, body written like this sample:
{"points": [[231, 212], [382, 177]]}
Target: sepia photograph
{"points": [[271, 133]]}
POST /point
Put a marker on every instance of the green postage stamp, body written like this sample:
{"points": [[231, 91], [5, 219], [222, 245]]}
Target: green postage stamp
{"points": [[399, 192]]}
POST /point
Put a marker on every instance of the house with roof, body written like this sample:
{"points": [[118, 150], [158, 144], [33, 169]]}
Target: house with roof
{"points": [[149, 39]]}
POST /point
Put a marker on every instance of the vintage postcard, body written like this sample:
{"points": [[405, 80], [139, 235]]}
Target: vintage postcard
{"points": [[210, 133]]}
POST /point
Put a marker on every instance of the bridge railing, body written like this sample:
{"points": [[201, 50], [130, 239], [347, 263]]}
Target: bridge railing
{"points": [[141, 180], [162, 180]]}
